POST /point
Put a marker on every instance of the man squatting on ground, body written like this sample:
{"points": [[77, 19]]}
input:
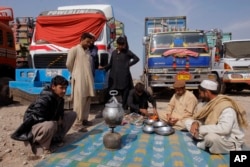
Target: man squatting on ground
{"points": [[45, 122], [219, 123], [180, 107], [138, 99]]}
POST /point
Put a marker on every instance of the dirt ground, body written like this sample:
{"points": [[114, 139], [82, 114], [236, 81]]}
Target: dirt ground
{"points": [[15, 154]]}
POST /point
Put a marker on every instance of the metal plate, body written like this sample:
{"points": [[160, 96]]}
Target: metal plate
{"points": [[159, 124], [164, 131], [148, 129], [149, 121]]}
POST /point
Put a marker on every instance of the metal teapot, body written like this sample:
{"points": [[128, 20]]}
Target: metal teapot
{"points": [[113, 111]]}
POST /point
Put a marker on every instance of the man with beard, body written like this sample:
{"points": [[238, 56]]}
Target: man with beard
{"points": [[219, 123], [181, 106]]}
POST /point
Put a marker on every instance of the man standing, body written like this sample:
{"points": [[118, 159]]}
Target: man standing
{"points": [[181, 106], [79, 64], [120, 77], [219, 123], [45, 121]]}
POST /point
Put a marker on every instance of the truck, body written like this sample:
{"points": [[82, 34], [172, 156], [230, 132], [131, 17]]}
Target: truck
{"points": [[55, 32], [215, 35], [22, 28], [119, 30], [7, 54], [173, 52], [231, 64]]}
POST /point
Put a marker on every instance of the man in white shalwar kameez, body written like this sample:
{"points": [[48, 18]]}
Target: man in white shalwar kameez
{"points": [[219, 125], [82, 82]]}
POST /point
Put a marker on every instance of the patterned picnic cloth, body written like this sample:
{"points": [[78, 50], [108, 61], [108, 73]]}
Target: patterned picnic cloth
{"points": [[138, 150]]}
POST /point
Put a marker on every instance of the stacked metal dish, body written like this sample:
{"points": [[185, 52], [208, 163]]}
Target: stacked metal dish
{"points": [[159, 127]]}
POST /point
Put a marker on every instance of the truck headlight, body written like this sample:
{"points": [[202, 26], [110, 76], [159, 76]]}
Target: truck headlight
{"points": [[30, 74], [53, 72]]}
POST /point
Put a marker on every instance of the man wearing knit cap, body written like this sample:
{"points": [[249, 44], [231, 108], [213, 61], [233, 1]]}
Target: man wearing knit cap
{"points": [[180, 107], [219, 124]]}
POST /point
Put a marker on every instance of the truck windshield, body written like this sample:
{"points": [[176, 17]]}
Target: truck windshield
{"points": [[194, 41], [237, 49]]}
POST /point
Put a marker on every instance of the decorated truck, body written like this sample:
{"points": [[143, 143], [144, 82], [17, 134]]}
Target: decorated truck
{"points": [[55, 33], [7, 54], [171, 52], [23, 28]]}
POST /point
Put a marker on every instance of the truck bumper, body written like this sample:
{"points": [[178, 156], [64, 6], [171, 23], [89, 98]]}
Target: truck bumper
{"points": [[30, 82], [167, 80], [237, 77]]}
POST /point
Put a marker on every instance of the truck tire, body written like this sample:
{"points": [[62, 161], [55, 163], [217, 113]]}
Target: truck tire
{"points": [[223, 88], [5, 98]]}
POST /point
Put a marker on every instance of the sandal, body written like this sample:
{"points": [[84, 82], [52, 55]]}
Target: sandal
{"points": [[87, 123], [60, 144], [79, 128], [48, 151]]}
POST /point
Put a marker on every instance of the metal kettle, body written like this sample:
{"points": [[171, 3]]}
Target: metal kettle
{"points": [[113, 111]]}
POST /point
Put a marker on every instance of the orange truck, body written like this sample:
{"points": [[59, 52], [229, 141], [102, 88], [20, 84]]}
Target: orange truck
{"points": [[7, 54]]}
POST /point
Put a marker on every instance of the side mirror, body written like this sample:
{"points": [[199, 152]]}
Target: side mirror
{"points": [[145, 40]]}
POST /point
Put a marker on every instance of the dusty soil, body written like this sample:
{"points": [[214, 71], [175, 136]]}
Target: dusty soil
{"points": [[16, 154]]}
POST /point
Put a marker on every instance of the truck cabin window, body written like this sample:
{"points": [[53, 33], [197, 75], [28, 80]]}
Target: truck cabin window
{"points": [[10, 40], [1, 37]]}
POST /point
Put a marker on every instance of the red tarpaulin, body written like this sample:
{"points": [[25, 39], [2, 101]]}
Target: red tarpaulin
{"points": [[180, 52], [66, 30]]}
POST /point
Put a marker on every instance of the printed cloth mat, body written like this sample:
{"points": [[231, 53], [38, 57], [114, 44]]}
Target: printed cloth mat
{"points": [[138, 149]]}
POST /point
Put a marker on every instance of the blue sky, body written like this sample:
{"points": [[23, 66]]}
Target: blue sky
{"points": [[228, 15]]}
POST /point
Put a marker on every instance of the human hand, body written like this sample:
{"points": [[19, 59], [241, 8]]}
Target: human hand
{"points": [[100, 67], [144, 111], [195, 129], [155, 112], [60, 121], [168, 116], [172, 121]]}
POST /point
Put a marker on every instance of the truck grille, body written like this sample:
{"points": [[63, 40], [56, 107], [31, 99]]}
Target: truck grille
{"points": [[50, 61], [241, 67]]}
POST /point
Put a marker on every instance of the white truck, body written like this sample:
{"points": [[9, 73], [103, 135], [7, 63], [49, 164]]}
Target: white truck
{"points": [[55, 33], [232, 65]]}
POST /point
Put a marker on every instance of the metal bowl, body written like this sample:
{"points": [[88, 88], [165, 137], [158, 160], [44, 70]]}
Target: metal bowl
{"points": [[164, 131], [159, 124], [148, 129], [149, 121]]}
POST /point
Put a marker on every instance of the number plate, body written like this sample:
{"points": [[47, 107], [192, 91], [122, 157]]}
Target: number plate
{"points": [[183, 76]]}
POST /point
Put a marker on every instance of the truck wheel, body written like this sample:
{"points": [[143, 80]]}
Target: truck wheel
{"points": [[5, 98], [150, 90], [223, 88]]}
